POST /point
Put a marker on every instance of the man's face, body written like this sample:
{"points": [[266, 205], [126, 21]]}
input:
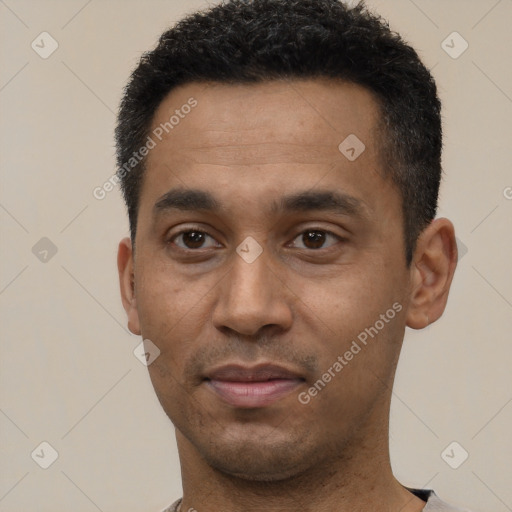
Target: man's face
{"points": [[268, 156]]}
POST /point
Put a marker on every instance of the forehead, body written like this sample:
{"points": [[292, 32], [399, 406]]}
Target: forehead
{"points": [[248, 124], [251, 141]]}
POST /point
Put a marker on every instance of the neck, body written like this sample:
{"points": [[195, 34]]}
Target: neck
{"points": [[358, 479]]}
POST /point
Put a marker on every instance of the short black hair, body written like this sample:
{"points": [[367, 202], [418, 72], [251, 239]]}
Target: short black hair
{"points": [[250, 41]]}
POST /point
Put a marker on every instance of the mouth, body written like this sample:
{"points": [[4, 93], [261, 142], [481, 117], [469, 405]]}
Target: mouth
{"points": [[252, 387]]}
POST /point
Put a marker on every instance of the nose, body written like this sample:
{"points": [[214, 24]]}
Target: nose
{"points": [[252, 297]]}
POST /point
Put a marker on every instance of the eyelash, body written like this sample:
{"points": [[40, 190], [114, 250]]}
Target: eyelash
{"points": [[326, 232]]}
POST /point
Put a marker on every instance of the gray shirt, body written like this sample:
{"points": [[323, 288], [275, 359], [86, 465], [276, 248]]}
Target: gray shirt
{"points": [[433, 503]]}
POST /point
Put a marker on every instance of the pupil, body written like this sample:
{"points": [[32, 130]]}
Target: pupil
{"points": [[314, 238], [193, 239]]}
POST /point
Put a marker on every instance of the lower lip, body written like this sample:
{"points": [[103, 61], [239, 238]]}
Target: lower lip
{"points": [[253, 394]]}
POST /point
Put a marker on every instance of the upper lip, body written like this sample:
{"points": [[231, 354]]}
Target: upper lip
{"points": [[259, 373]]}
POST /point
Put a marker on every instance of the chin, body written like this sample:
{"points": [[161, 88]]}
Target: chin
{"points": [[267, 459], [260, 469]]}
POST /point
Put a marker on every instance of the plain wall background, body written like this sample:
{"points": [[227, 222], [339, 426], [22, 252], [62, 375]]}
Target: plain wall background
{"points": [[68, 374]]}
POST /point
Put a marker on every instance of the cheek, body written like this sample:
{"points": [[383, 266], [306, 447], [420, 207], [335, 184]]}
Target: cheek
{"points": [[359, 308], [345, 302], [164, 296], [157, 303], [356, 370]]}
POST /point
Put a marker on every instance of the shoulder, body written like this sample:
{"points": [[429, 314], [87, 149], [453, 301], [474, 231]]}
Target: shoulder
{"points": [[173, 507], [436, 504]]}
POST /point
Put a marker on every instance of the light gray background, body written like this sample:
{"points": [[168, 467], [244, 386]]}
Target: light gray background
{"points": [[68, 373]]}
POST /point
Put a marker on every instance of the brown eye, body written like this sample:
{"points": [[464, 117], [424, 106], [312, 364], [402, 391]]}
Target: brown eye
{"points": [[315, 239], [193, 239]]}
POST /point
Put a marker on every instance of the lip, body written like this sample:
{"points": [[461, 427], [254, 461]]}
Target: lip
{"points": [[252, 387]]}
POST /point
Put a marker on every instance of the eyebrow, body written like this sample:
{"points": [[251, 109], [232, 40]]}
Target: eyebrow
{"points": [[321, 200], [310, 200], [187, 200]]}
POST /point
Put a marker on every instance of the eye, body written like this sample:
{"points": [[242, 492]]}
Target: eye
{"points": [[193, 239], [315, 239]]}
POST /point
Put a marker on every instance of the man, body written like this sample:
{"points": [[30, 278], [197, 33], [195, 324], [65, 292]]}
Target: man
{"points": [[280, 161]]}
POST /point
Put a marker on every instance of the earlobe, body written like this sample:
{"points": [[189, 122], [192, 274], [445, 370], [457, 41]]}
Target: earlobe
{"points": [[432, 270], [125, 267]]}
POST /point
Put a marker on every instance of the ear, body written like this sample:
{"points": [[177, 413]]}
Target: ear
{"points": [[432, 269], [125, 266]]}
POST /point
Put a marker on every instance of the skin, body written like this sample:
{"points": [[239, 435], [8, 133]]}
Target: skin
{"points": [[300, 304]]}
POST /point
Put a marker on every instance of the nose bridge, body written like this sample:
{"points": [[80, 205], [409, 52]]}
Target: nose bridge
{"points": [[251, 297], [249, 280]]}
